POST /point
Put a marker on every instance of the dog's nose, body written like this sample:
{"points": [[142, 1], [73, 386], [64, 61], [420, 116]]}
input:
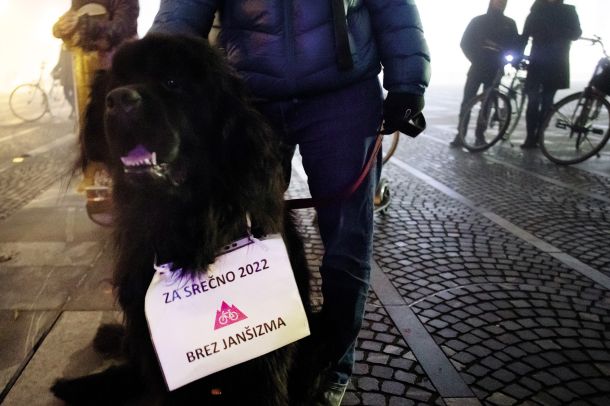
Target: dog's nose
{"points": [[123, 99]]}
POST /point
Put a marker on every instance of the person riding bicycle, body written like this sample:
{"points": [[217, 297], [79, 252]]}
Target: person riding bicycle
{"points": [[552, 26], [312, 67], [486, 38]]}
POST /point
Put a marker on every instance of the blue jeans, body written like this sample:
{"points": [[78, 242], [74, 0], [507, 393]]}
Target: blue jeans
{"points": [[336, 132]]}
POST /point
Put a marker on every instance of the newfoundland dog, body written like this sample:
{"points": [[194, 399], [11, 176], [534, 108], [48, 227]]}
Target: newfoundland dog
{"points": [[189, 159]]}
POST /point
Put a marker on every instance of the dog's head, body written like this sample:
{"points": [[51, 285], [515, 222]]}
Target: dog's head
{"points": [[177, 123]]}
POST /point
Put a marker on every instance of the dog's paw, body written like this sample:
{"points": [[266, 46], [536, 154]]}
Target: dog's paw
{"points": [[108, 340], [69, 391], [114, 386]]}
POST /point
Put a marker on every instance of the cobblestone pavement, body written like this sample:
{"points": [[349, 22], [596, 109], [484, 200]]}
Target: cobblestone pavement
{"points": [[491, 278], [47, 150]]}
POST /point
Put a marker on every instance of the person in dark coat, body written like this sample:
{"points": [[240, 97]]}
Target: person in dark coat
{"points": [[312, 66], [486, 38], [552, 26]]}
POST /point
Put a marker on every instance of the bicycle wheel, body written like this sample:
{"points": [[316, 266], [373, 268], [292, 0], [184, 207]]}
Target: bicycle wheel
{"points": [[517, 102], [28, 102], [576, 128], [59, 106], [485, 120], [390, 143]]}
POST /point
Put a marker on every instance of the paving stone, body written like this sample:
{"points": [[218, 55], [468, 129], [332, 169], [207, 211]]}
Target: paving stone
{"points": [[368, 384], [392, 387], [377, 358], [382, 372], [517, 391], [399, 401], [546, 378], [402, 363], [490, 384], [406, 377], [418, 394], [501, 399], [478, 370], [546, 399], [581, 388], [492, 362], [504, 375], [370, 345], [373, 399], [562, 393]]}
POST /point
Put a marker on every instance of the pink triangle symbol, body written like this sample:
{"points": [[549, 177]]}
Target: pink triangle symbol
{"points": [[228, 315]]}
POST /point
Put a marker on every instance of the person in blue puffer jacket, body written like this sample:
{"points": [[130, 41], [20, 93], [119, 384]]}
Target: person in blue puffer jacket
{"points": [[312, 67]]}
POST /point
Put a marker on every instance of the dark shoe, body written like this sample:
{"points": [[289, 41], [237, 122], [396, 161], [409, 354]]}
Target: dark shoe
{"points": [[529, 145], [456, 143], [333, 394]]}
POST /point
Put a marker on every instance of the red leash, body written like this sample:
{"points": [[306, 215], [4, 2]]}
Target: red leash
{"points": [[324, 201], [413, 127]]}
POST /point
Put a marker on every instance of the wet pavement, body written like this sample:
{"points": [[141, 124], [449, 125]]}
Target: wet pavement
{"points": [[490, 285]]}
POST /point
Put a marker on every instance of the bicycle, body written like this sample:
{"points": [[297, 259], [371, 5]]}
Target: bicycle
{"points": [[227, 316], [578, 126], [29, 101], [493, 110]]}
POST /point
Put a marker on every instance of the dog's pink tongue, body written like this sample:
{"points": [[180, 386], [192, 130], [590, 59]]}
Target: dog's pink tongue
{"points": [[138, 155]]}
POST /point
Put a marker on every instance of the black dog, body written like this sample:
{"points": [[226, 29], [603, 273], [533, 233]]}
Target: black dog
{"points": [[215, 161]]}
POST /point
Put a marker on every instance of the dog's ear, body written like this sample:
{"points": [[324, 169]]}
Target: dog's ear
{"points": [[251, 159], [92, 139]]}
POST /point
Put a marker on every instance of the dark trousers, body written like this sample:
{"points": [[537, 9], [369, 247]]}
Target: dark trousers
{"points": [[335, 133], [474, 79], [539, 102]]}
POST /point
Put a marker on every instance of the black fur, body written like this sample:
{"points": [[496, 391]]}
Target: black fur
{"points": [[177, 96]]}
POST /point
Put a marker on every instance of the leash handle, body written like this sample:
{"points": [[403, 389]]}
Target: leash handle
{"points": [[415, 126]]}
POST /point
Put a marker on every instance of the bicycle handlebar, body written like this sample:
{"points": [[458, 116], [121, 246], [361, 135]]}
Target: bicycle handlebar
{"points": [[596, 39]]}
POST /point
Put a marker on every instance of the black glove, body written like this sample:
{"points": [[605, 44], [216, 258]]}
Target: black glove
{"points": [[398, 109]]}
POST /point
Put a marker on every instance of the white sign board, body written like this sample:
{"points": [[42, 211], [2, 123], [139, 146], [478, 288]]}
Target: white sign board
{"points": [[247, 305]]}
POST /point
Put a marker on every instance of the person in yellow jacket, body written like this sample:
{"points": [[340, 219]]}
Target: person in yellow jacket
{"points": [[92, 31]]}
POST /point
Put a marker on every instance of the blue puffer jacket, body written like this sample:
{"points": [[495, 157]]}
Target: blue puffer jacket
{"points": [[286, 48]]}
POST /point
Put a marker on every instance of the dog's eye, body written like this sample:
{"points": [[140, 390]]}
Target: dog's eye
{"points": [[171, 84]]}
